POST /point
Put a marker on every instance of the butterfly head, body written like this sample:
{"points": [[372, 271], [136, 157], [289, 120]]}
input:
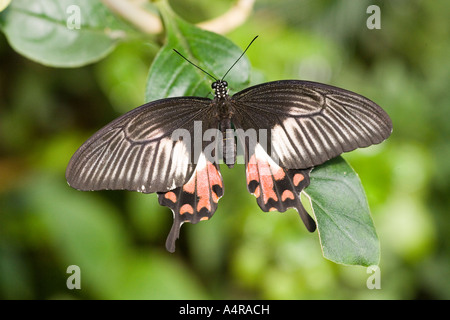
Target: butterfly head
{"points": [[220, 88]]}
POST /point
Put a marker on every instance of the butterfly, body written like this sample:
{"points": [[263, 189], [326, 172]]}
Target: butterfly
{"points": [[173, 146]]}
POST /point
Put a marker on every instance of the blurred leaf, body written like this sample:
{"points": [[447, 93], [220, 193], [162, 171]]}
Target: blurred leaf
{"points": [[15, 277], [122, 74], [84, 229], [4, 4], [171, 76], [68, 33], [149, 219], [156, 275], [346, 230], [87, 231]]}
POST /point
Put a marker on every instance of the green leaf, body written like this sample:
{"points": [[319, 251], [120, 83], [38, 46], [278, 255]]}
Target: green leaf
{"points": [[346, 230], [67, 33], [170, 75]]}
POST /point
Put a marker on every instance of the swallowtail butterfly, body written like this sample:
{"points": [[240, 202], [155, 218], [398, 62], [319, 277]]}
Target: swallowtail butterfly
{"points": [[285, 128]]}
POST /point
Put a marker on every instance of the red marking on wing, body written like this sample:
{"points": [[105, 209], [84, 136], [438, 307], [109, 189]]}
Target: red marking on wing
{"points": [[252, 170], [264, 168], [201, 184], [267, 188], [189, 187], [260, 170], [186, 208], [287, 194], [266, 181], [214, 179], [298, 177], [214, 175], [279, 174], [171, 196], [203, 189]]}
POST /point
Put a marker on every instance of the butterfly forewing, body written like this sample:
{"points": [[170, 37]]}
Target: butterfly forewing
{"points": [[138, 151], [309, 122]]}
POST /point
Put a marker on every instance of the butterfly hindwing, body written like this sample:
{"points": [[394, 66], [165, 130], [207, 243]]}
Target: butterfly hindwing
{"points": [[196, 200], [276, 188]]}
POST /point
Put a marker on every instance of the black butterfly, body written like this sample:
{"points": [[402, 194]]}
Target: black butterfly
{"points": [[305, 123]]}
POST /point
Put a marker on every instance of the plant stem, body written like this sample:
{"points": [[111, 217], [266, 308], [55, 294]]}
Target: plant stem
{"points": [[231, 19], [131, 11], [150, 23]]}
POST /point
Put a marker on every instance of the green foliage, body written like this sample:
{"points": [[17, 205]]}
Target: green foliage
{"points": [[170, 76], [117, 237]]}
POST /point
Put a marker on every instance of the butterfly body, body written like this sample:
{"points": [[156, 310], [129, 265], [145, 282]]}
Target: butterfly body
{"points": [[222, 102]]}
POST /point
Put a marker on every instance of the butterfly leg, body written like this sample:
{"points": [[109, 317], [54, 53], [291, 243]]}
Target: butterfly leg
{"points": [[278, 189]]}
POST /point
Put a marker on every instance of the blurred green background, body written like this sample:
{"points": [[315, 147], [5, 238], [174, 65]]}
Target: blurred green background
{"points": [[117, 237]]}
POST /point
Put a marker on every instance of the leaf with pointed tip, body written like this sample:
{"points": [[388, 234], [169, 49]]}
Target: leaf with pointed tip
{"points": [[346, 230]]}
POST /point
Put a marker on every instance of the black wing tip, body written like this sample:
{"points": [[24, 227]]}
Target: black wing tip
{"points": [[311, 224], [308, 221]]}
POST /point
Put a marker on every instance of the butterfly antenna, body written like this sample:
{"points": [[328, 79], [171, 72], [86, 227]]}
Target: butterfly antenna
{"points": [[195, 65], [239, 57]]}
